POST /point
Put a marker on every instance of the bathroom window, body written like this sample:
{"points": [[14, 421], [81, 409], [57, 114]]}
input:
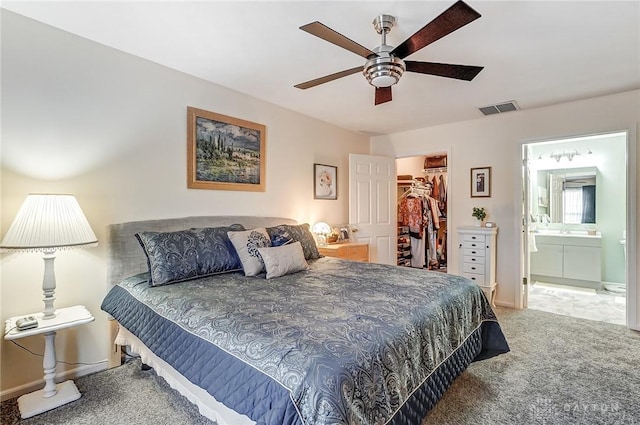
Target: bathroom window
{"points": [[579, 203], [572, 205]]}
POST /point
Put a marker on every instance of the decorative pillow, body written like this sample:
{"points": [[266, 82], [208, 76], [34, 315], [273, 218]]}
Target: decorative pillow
{"points": [[186, 254], [282, 260], [171, 257], [280, 236], [299, 233], [246, 244], [216, 253]]}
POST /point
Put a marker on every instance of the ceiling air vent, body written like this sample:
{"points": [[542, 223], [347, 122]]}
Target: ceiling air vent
{"points": [[499, 108]]}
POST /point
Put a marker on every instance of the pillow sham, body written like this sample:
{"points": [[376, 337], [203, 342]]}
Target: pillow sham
{"points": [[246, 244], [216, 253], [186, 254], [171, 257], [282, 260], [298, 233], [280, 237]]}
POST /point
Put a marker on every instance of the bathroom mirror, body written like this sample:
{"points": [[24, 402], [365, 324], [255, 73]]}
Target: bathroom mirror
{"points": [[568, 196]]}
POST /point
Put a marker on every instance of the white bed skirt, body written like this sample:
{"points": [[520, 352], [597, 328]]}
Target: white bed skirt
{"points": [[207, 404]]}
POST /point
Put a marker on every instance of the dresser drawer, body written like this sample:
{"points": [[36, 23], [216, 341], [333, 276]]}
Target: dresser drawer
{"points": [[477, 278], [473, 252], [348, 251], [360, 253], [472, 259], [472, 245], [473, 268], [472, 238]]}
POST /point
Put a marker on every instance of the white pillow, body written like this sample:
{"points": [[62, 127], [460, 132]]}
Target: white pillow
{"points": [[247, 244], [282, 260]]}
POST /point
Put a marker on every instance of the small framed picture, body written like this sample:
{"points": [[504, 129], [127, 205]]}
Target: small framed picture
{"points": [[325, 181], [343, 231], [481, 182]]}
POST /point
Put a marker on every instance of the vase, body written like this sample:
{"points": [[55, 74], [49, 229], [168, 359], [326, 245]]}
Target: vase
{"points": [[478, 223]]}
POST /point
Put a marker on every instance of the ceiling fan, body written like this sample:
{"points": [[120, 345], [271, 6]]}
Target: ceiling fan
{"points": [[385, 64]]}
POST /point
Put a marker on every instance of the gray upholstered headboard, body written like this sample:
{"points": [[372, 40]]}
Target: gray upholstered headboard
{"points": [[126, 257]]}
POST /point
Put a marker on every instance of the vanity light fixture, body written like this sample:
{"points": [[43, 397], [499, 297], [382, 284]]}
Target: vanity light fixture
{"points": [[569, 155]]}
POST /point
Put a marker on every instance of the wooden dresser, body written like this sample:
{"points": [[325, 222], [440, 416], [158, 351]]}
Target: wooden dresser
{"points": [[348, 250]]}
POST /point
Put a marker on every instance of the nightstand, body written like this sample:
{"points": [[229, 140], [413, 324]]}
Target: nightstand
{"points": [[52, 395], [348, 250]]}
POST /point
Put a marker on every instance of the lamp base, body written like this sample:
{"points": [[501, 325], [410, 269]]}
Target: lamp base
{"points": [[35, 403]]}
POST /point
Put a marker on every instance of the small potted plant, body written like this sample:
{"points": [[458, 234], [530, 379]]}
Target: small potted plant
{"points": [[480, 214]]}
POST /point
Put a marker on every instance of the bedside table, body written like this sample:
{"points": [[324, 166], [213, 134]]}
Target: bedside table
{"points": [[52, 395], [348, 250]]}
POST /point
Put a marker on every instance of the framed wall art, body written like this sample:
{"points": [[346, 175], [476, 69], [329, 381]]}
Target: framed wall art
{"points": [[325, 181], [224, 153], [481, 182]]}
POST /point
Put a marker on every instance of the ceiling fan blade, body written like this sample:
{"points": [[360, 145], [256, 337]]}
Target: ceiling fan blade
{"points": [[383, 95], [457, 16], [326, 33], [460, 72], [327, 78]]}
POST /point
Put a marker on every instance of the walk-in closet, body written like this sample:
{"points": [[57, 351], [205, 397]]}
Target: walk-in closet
{"points": [[422, 212]]}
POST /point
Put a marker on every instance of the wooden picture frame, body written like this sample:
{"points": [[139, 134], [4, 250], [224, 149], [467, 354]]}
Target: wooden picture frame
{"points": [[325, 181], [224, 153], [481, 182]]}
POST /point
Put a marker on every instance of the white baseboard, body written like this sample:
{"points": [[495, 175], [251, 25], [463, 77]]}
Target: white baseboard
{"points": [[505, 304], [82, 370]]}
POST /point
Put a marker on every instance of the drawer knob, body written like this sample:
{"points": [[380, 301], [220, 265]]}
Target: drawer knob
{"points": [[473, 259], [473, 252], [473, 268]]}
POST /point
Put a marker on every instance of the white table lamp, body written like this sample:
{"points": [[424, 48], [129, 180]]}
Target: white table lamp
{"points": [[321, 230], [46, 223]]}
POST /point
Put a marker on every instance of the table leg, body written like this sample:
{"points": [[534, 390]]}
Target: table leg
{"points": [[52, 395], [49, 365]]}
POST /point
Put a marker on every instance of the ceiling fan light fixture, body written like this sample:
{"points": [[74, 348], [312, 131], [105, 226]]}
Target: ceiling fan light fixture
{"points": [[384, 71]]}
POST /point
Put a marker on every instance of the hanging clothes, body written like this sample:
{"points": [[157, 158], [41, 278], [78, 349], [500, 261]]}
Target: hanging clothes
{"points": [[410, 214], [432, 221], [442, 199], [434, 188], [419, 211]]}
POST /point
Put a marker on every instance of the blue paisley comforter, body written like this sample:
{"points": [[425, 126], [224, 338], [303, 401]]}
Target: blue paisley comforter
{"points": [[340, 343]]}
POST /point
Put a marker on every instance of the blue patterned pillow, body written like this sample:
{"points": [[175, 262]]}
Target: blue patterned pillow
{"points": [[171, 257], [186, 254], [298, 233], [280, 236], [216, 253]]}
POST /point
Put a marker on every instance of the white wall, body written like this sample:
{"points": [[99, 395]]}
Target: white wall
{"points": [[110, 128], [496, 141], [411, 166]]}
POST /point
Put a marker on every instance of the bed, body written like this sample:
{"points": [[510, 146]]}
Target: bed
{"points": [[331, 342]]}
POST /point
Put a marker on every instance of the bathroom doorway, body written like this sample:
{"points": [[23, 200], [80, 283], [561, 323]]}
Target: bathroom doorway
{"points": [[576, 224]]}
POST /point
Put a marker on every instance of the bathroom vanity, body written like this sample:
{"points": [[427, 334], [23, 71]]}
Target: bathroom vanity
{"points": [[572, 258]]}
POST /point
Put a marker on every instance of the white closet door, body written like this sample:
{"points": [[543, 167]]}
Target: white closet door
{"points": [[372, 204]]}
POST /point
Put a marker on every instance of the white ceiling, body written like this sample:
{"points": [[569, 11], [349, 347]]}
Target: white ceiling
{"points": [[534, 52]]}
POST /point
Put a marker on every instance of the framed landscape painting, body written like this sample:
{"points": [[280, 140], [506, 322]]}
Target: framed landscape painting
{"points": [[224, 153]]}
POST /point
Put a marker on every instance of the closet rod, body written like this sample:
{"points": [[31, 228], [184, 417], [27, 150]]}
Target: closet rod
{"points": [[434, 170]]}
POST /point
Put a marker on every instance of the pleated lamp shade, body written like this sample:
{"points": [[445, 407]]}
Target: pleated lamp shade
{"points": [[47, 222]]}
